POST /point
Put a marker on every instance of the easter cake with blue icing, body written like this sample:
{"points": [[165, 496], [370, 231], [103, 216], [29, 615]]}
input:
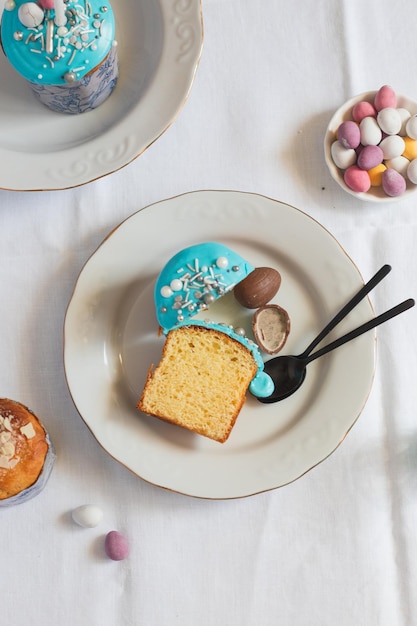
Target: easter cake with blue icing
{"points": [[26, 454], [207, 366], [66, 50]]}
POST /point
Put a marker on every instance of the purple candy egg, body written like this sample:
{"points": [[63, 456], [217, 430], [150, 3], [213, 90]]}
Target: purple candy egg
{"points": [[349, 134], [116, 546], [369, 157], [393, 183]]}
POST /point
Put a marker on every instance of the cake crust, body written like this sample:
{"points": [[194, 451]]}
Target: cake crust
{"points": [[23, 448]]}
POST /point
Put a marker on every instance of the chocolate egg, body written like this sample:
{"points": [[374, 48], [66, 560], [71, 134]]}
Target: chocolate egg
{"points": [[271, 326], [258, 288]]}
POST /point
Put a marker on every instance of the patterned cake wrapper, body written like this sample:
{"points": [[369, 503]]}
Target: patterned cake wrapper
{"points": [[39, 484], [84, 95]]}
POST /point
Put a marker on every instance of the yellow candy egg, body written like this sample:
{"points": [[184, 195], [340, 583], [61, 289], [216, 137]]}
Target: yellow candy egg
{"points": [[410, 151], [375, 175]]}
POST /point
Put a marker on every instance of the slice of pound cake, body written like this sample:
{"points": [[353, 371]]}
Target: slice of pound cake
{"points": [[200, 382]]}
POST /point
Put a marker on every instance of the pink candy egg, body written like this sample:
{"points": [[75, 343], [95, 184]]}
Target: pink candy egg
{"points": [[47, 4], [369, 157], [393, 183], [356, 179], [349, 134], [116, 546], [385, 97], [363, 109]]}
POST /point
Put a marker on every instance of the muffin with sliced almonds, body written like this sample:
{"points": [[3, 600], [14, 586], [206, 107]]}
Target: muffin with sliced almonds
{"points": [[26, 453]]}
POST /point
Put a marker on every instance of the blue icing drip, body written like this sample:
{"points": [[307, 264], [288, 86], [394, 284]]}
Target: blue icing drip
{"points": [[193, 279], [76, 48], [262, 386]]}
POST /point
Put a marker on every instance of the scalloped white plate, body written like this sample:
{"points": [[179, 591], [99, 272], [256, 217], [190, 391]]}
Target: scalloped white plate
{"points": [[159, 44], [111, 338]]}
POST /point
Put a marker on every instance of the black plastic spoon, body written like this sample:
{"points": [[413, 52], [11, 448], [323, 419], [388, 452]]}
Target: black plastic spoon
{"points": [[288, 372]]}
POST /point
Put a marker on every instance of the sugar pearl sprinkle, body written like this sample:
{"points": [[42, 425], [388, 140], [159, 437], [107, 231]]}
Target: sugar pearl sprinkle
{"points": [[196, 287], [377, 146]]}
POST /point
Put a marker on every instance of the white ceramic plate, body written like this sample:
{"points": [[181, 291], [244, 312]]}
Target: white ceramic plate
{"points": [[111, 338], [159, 44]]}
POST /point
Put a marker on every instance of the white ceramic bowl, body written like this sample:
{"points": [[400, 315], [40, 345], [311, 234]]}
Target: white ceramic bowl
{"points": [[375, 194]]}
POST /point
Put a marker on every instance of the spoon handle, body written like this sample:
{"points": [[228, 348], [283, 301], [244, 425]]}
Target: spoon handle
{"points": [[376, 321], [349, 306]]}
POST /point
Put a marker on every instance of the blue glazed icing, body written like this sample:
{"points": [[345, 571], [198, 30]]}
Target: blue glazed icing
{"points": [[48, 54], [191, 281]]}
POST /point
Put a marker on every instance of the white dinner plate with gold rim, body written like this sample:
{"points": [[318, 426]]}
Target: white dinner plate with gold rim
{"points": [[159, 44], [111, 338]]}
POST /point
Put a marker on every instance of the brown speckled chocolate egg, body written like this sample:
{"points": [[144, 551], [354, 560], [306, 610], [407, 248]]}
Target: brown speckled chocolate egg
{"points": [[258, 288], [271, 326]]}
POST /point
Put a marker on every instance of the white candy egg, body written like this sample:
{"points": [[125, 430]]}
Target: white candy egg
{"points": [[399, 164], [405, 116], [87, 515], [30, 14], [411, 127], [392, 146], [389, 121], [371, 133], [342, 157], [412, 171]]}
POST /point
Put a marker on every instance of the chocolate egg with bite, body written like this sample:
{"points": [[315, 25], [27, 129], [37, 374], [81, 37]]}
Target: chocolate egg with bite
{"points": [[258, 288]]}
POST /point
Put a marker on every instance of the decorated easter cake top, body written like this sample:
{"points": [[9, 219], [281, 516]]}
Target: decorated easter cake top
{"points": [[195, 278], [57, 42]]}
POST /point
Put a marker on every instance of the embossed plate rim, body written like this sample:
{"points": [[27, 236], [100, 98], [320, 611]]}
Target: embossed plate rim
{"points": [[130, 134], [110, 317]]}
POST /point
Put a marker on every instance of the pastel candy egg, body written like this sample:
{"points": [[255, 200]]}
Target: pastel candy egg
{"points": [[349, 134], [369, 156], [342, 157], [375, 175], [389, 121], [410, 148], [87, 515], [363, 109], [385, 97], [392, 146], [399, 164], [412, 171], [393, 183], [405, 116], [411, 127], [356, 179], [116, 546], [371, 133], [30, 14]]}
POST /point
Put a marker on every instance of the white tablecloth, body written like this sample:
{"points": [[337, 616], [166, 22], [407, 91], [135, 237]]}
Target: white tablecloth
{"points": [[339, 545]]}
